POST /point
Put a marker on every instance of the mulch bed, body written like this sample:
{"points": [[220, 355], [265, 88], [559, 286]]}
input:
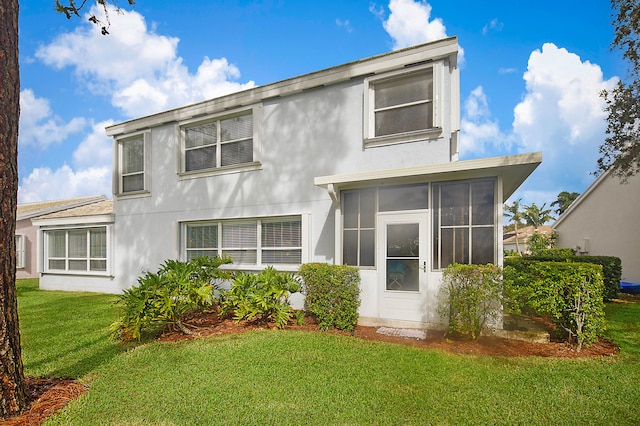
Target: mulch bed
{"points": [[46, 396]]}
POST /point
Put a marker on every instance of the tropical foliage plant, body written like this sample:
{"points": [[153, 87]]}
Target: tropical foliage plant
{"points": [[164, 297], [260, 297]]}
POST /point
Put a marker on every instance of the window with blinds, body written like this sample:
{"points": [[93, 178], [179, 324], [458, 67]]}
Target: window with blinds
{"points": [[131, 153], [221, 143], [264, 241], [76, 250]]}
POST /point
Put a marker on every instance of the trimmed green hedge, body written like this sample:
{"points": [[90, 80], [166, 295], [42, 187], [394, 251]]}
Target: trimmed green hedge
{"points": [[611, 270], [571, 294], [332, 294], [556, 252]]}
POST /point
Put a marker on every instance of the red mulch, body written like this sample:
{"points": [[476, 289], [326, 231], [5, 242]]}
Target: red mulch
{"points": [[49, 395]]}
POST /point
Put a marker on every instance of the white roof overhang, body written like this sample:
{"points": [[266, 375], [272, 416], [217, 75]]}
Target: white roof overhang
{"points": [[514, 170]]}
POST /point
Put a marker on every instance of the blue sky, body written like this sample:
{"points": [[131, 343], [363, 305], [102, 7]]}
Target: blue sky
{"points": [[530, 75]]}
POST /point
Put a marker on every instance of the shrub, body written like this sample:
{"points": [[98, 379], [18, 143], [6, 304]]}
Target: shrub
{"points": [[263, 297], [163, 298], [538, 242], [332, 294], [570, 294], [557, 252], [611, 269], [470, 298]]}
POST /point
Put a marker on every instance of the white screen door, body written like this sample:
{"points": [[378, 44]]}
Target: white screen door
{"points": [[402, 265]]}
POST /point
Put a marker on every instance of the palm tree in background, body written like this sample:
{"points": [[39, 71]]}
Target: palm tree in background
{"points": [[516, 216], [537, 216]]}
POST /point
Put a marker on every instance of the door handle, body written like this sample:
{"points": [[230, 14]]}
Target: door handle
{"points": [[424, 266]]}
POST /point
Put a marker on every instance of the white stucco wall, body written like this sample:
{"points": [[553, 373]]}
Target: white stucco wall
{"points": [[313, 133], [607, 217]]}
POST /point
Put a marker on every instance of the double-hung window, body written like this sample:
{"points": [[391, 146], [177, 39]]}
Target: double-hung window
{"points": [[219, 143], [264, 241], [464, 223], [76, 250], [400, 107], [132, 167]]}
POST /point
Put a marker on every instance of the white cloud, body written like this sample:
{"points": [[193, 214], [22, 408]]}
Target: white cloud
{"points": [[39, 126], [409, 23], [46, 184], [479, 131], [96, 150], [138, 68], [494, 25], [90, 174], [561, 114], [344, 23]]}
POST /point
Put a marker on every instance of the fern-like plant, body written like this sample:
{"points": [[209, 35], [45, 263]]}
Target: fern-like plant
{"points": [[165, 297], [260, 297]]}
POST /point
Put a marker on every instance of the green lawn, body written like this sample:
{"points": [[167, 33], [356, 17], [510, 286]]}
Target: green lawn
{"points": [[292, 377]]}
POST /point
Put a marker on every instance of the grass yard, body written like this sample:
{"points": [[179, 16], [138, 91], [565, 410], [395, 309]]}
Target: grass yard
{"points": [[295, 377]]}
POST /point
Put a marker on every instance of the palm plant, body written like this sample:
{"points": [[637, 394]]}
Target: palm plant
{"points": [[516, 216], [537, 216]]}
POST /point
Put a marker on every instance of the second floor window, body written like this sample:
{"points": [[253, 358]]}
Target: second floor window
{"points": [[131, 152], [403, 104], [219, 143]]}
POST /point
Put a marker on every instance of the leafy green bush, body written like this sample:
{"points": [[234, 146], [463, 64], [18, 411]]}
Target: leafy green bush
{"points": [[332, 294], [538, 242], [557, 252], [611, 269], [163, 298], [471, 297], [570, 294], [262, 297]]}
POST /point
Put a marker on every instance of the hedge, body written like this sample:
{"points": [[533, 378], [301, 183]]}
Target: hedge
{"points": [[570, 294], [332, 294], [611, 269]]}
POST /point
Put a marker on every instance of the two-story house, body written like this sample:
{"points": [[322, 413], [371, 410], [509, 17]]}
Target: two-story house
{"points": [[356, 164]]}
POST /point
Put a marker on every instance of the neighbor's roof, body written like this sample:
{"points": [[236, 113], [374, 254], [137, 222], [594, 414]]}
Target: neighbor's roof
{"points": [[526, 232], [104, 207], [32, 210]]}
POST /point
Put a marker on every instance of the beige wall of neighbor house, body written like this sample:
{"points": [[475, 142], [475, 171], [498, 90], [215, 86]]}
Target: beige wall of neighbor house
{"points": [[509, 241], [605, 221]]}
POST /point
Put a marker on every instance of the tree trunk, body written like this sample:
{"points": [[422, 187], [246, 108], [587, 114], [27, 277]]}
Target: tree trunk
{"points": [[12, 384]]}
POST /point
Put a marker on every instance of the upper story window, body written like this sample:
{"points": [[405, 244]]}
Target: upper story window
{"points": [[401, 107], [132, 164], [220, 143]]}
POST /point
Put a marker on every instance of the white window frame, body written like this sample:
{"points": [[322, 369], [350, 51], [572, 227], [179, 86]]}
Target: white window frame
{"points": [[255, 111], [67, 258], [118, 187], [437, 227], [258, 265], [21, 246], [370, 138]]}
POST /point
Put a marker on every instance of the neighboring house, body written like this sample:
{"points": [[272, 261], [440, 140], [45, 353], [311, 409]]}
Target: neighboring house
{"points": [[77, 248], [356, 164], [26, 232], [509, 238], [603, 221]]}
